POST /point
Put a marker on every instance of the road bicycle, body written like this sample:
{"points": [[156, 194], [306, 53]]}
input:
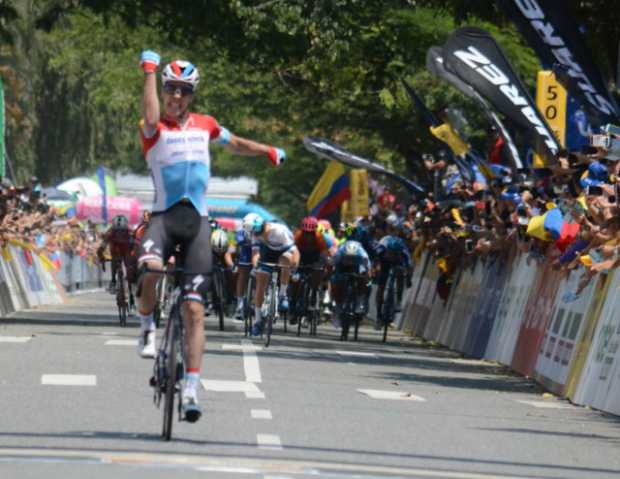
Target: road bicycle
{"points": [[270, 312], [169, 365], [348, 316], [124, 296], [305, 307], [388, 311]]}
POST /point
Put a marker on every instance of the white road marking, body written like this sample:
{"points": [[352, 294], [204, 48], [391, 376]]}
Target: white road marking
{"points": [[359, 354], [269, 441], [261, 414], [547, 404], [122, 342], [229, 470], [241, 347], [109, 333], [391, 395], [69, 379], [254, 395], [250, 363], [356, 354], [15, 339], [229, 386]]}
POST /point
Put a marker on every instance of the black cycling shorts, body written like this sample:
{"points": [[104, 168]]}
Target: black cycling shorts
{"points": [[268, 255], [181, 225]]}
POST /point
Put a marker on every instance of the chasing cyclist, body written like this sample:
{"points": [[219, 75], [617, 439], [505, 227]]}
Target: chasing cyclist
{"points": [[245, 252], [351, 263], [314, 250], [392, 252], [120, 240], [176, 148], [277, 246]]}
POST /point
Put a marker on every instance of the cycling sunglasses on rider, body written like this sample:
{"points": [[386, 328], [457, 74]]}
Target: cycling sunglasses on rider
{"points": [[172, 88]]}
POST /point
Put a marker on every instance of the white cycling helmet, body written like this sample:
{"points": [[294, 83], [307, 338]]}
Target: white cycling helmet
{"points": [[219, 241], [180, 71], [392, 219], [352, 248], [253, 223]]}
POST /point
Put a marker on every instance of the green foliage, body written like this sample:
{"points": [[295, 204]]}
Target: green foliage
{"points": [[272, 70]]}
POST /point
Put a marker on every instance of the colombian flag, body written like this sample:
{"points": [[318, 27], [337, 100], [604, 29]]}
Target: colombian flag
{"points": [[330, 192]]}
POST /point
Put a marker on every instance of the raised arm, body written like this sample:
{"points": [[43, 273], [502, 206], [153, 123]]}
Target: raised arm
{"points": [[149, 61]]}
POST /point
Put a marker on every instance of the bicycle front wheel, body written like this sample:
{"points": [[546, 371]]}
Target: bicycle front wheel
{"points": [[272, 312], [171, 375]]}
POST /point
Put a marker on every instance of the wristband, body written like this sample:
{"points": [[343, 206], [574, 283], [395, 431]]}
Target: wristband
{"points": [[149, 61], [276, 155]]}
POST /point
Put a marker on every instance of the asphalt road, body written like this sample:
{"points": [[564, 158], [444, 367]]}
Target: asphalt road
{"points": [[74, 402]]}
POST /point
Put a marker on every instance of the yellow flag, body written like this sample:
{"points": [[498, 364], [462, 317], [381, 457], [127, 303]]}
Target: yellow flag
{"points": [[448, 135]]}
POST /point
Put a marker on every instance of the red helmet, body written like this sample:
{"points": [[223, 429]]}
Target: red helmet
{"points": [[309, 223]]}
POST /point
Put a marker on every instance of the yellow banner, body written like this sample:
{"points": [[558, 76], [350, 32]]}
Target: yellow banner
{"points": [[357, 205], [448, 135], [551, 100]]}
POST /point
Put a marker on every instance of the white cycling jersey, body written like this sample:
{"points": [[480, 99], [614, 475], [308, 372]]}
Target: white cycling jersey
{"points": [[179, 161], [278, 237]]}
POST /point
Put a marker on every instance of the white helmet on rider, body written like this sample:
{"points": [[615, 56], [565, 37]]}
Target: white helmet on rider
{"points": [[352, 248], [180, 71], [253, 223], [219, 241], [392, 220]]}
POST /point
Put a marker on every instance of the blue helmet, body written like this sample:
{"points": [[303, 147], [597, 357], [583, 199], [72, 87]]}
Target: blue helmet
{"points": [[393, 244]]}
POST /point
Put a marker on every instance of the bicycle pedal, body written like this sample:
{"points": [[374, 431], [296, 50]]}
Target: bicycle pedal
{"points": [[152, 382]]}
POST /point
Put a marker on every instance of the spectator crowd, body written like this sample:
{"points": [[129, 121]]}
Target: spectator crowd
{"points": [[564, 215], [26, 218]]}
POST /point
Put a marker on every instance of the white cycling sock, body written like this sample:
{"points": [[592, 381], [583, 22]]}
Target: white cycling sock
{"points": [[147, 323], [239, 301], [283, 288], [192, 381], [257, 315]]}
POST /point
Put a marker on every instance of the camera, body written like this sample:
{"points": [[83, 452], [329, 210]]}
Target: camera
{"points": [[609, 140], [594, 191]]}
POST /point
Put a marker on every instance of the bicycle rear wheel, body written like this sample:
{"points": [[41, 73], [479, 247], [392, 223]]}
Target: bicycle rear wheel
{"points": [[219, 302], [301, 306], [121, 298], [171, 374]]}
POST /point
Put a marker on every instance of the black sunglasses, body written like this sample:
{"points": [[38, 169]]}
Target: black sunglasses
{"points": [[184, 89]]}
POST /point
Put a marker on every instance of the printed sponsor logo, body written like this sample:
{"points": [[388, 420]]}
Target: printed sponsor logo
{"points": [[477, 61], [536, 16]]}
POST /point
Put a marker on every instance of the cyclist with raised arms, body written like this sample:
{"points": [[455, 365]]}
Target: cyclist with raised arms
{"points": [[277, 246], [176, 148]]}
